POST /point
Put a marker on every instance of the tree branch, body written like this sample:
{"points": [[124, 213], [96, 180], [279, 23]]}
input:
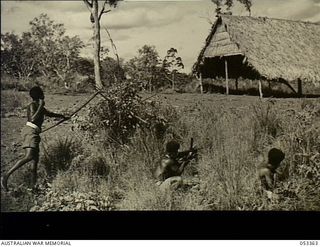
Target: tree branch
{"points": [[167, 77], [88, 4], [103, 11]]}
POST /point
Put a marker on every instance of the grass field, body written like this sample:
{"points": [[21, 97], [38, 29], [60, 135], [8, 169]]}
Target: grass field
{"points": [[233, 132]]}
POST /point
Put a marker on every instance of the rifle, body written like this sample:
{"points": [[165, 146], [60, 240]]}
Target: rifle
{"points": [[190, 154]]}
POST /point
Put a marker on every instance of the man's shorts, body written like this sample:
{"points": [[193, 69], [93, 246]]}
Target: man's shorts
{"points": [[31, 137]]}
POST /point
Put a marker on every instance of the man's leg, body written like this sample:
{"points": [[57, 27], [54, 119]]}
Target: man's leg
{"points": [[171, 183], [35, 168], [29, 155]]}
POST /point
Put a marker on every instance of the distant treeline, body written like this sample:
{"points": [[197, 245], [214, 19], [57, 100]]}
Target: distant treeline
{"points": [[45, 55]]}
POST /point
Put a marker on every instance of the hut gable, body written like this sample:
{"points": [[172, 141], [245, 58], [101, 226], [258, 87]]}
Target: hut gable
{"points": [[221, 44], [275, 48]]}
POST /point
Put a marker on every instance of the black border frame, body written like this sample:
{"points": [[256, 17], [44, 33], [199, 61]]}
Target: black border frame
{"points": [[154, 225]]}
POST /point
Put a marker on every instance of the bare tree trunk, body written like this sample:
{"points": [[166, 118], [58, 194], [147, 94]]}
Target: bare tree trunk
{"points": [[63, 78], [96, 44]]}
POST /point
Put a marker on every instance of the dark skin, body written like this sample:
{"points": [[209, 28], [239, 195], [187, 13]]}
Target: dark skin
{"points": [[268, 174], [171, 166], [36, 113]]}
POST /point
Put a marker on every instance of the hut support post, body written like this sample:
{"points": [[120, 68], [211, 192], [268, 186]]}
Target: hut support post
{"points": [[237, 84], [260, 89], [227, 81], [200, 82], [299, 87]]}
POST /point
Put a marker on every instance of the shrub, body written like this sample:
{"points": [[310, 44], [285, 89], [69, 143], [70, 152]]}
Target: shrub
{"points": [[116, 117], [59, 154]]}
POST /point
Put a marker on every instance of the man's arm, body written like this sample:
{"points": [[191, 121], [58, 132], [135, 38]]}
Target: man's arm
{"points": [[162, 169], [52, 114], [182, 166], [185, 157], [270, 181], [265, 173]]}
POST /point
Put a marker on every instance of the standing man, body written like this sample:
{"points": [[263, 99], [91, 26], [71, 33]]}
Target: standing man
{"points": [[31, 134]]}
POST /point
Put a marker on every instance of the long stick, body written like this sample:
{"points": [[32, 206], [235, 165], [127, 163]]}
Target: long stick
{"points": [[75, 112], [115, 51]]}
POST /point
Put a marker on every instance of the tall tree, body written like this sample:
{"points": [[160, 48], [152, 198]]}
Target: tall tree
{"points": [[172, 63], [68, 51], [145, 68], [44, 49], [56, 52], [95, 17], [18, 55]]}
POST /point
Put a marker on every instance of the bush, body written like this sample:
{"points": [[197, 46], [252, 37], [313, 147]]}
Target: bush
{"points": [[58, 155], [116, 117]]}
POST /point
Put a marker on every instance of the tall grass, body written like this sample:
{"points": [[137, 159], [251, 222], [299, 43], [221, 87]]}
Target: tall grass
{"points": [[232, 142]]}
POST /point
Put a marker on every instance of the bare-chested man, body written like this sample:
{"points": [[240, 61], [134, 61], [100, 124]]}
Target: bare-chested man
{"points": [[31, 134], [169, 171], [268, 171]]}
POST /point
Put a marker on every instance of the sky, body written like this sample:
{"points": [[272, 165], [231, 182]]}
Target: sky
{"points": [[182, 24]]}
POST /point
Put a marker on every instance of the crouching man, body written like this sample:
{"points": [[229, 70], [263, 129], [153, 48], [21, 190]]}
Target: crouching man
{"points": [[168, 172], [268, 171]]}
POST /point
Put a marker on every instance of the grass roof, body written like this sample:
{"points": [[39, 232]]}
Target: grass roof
{"points": [[275, 48]]}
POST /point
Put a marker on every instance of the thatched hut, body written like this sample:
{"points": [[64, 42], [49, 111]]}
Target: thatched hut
{"points": [[261, 48]]}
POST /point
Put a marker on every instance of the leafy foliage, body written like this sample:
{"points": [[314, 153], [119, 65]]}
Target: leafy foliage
{"points": [[111, 71], [75, 201], [171, 65], [45, 49], [230, 3], [56, 51], [18, 55], [120, 112], [144, 68]]}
